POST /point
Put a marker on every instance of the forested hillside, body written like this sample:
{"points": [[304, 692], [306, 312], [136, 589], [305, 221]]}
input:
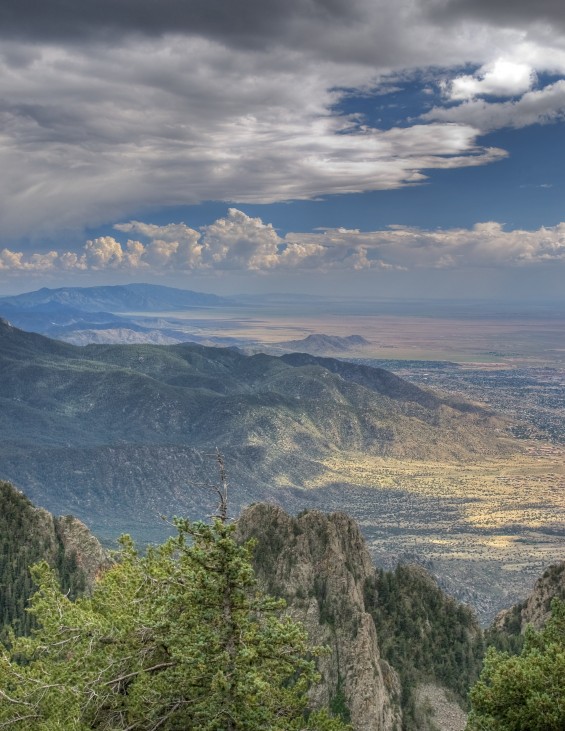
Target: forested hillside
{"points": [[424, 634]]}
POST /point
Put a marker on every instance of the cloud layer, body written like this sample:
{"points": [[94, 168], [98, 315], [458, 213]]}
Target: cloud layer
{"points": [[244, 244], [111, 107]]}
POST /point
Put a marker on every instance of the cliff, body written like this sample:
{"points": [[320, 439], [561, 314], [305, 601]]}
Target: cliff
{"points": [[536, 608], [319, 564], [28, 535], [390, 633]]}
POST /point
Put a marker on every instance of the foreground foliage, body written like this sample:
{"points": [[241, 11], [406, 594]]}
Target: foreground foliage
{"points": [[524, 692], [178, 639]]}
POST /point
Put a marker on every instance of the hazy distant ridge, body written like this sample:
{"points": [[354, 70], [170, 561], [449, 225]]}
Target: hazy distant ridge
{"points": [[319, 344], [117, 298]]}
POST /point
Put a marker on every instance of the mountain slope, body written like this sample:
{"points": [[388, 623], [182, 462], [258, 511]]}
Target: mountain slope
{"points": [[84, 429], [536, 608], [321, 344]]}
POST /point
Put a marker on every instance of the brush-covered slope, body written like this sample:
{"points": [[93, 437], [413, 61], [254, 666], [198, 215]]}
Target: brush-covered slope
{"points": [[28, 535], [117, 433]]}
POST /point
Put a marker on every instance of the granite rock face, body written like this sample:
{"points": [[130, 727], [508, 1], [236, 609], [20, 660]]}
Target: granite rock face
{"points": [[536, 608], [319, 563], [77, 540]]}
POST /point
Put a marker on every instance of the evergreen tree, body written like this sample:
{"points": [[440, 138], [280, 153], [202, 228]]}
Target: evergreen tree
{"points": [[176, 640], [524, 692]]}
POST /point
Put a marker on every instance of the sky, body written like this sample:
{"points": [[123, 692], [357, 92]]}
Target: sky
{"points": [[356, 147]]}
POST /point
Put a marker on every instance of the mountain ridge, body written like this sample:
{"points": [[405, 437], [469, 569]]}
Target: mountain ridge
{"points": [[81, 426], [116, 298]]}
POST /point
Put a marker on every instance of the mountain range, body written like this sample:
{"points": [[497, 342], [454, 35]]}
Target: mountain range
{"points": [[82, 315], [146, 313], [120, 434], [116, 298]]}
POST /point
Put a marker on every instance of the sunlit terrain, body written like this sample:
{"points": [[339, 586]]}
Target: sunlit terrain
{"points": [[488, 527]]}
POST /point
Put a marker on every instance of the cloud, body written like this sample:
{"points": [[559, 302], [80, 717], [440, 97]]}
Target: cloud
{"points": [[242, 243], [484, 245], [541, 106], [137, 131], [110, 107], [499, 78], [504, 12], [249, 23]]}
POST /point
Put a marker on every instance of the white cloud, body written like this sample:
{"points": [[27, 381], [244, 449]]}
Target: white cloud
{"points": [[541, 106], [499, 78], [36, 262], [241, 243]]}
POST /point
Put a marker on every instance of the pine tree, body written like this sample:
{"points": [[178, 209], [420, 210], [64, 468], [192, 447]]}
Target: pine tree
{"points": [[179, 639], [524, 692]]}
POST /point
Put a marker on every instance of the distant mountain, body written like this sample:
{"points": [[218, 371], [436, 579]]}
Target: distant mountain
{"points": [[86, 315], [119, 434], [320, 344], [125, 335], [55, 319], [118, 298]]}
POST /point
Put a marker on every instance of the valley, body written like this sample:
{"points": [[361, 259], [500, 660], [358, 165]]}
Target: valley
{"points": [[485, 528], [475, 493]]}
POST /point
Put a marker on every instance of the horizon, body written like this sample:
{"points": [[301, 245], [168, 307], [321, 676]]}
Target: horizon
{"points": [[292, 295]]}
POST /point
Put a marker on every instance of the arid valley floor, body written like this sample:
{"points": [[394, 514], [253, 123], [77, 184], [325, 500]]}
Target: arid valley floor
{"points": [[488, 527]]}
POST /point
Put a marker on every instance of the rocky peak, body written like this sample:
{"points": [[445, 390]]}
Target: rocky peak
{"points": [[77, 540], [319, 563]]}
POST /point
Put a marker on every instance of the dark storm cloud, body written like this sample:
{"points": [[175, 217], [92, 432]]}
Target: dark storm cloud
{"points": [[247, 23], [503, 12]]}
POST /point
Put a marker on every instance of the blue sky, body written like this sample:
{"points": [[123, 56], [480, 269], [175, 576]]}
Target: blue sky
{"points": [[412, 148]]}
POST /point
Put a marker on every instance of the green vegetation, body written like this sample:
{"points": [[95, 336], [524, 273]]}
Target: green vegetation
{"points": [[181, 638], [525, 692], [423, 634], [28, 535]]}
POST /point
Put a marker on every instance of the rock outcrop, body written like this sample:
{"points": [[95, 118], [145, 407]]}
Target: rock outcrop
{"points": [[536, 608], [28, 535], [78, 541], [391, 633], [319, 563]]}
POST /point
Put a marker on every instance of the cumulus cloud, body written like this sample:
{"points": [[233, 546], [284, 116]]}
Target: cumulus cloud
{"points": [[242, 243], [499, 78]]}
